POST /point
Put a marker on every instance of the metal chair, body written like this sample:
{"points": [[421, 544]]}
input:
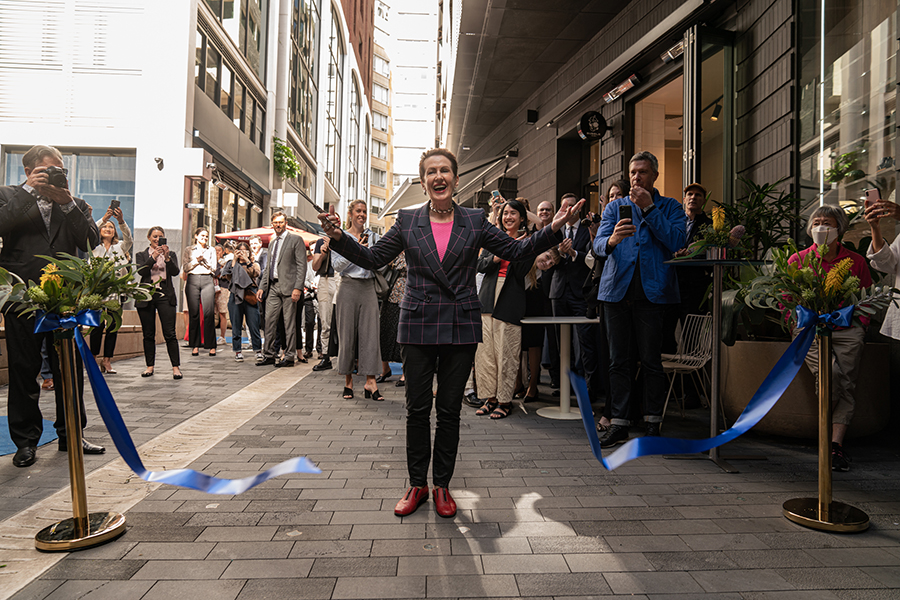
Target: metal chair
{"points": [[694, 351]]}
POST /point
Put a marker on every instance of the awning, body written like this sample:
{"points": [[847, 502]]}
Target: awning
{"points": [[265, 234]]}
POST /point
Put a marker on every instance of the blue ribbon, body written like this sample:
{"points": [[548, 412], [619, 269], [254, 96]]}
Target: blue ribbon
{"points": [[122, 439], [772, 388]]}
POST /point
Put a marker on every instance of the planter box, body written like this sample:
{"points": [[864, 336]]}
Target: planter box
{"points": [[746, 364], [128, 345]]}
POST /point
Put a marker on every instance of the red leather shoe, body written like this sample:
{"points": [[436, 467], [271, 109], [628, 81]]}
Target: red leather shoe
{"points": [[411, 500], [444, 503]]}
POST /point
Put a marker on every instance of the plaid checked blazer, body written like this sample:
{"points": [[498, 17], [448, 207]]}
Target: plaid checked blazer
{"points": [[441, 305]]}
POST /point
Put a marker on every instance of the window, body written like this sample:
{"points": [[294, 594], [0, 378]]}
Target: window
{"points": [[380, 150], [353, 175], [239, 105], [381, 121], [225, 93], [379, 177], [382, 67], [245, 23], [333, 102], [212, 72], [381, 94], [97, 178], [304, 89]]}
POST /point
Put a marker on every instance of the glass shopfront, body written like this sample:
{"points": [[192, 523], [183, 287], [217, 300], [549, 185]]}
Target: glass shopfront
{"points": [[848, 104]]}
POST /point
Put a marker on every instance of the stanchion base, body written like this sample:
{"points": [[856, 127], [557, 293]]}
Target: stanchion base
{"points": [[555, 412], [60, 537], [844, 518]]}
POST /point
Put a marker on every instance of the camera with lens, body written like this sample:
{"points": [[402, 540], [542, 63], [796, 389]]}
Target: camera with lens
{"points": [[56, 176], [595, 219]]}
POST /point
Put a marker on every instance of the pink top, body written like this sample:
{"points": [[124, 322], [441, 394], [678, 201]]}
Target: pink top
{"points": [[441, 233]]}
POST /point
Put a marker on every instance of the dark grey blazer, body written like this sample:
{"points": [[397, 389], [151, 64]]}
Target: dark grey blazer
{"points": [[25, 235], [291, 266]]}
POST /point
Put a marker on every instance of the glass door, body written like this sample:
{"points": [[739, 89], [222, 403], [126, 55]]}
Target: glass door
{"points": [[708, 101]]}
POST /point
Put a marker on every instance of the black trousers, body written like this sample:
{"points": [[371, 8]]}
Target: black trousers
{"points": [[159, 304], [452, 364], [24, 349], [109, 348], [201, 290]]}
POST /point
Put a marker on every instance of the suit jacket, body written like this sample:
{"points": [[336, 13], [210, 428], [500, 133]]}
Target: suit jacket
{"points": [[291, 266], [440, 305], [25, 235], [144, 264], [694, 281], [510, 305], [570, 274], [700, 221]]}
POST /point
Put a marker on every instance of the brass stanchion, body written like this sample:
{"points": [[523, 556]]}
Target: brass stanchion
{"points": [[83, 530], [823, 512]]}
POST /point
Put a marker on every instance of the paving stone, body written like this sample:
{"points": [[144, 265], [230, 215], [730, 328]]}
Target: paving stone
{"points": [[354, 567], [250, 550], [559, 545], [853, 557], [182, 569], [237, 534], [170, 550], [94, 569], [210, 590], [652, 583], [449, 529], [562, 584], [38, 589], [209, 519], [471, 586], [889, 576], [836, 578], [724, 541], [689, 561], [741, 580], [495, 564], [683, 526], [100, 590], [331, 548], [486, 545], [790, 595], [439, 565], [312, 532], [600, 528], [608, 562], [268, 569], [772, 559], [361, 588]]}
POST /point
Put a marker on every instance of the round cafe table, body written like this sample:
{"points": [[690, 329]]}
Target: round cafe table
{"points": [[564, 410]]}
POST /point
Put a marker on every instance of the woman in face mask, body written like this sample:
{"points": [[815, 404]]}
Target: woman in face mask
{"points": [[826, 226]]}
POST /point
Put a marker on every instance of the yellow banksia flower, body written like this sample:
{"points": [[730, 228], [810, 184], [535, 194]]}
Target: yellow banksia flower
{"points": [[50, 275], [718, 218], [834, 281]]}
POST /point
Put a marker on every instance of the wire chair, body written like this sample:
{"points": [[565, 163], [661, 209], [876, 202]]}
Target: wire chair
{"points": [[694, 351]]}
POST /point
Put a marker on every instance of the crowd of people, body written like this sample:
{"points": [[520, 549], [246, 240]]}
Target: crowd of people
{"points": [[443, 292]]}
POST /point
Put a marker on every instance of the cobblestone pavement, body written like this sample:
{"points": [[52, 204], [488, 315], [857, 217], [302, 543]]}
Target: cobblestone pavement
{"points": [[538, 516]]}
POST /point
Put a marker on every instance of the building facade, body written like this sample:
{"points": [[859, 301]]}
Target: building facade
{"points": [[183, 133], [767, 90]]}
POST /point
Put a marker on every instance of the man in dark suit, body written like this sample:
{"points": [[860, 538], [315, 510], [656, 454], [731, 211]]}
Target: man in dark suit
{"points": [[36, 219], [567, 290], [282, 285]]}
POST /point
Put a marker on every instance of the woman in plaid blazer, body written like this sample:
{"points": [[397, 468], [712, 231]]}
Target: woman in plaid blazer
{"points": [[440, 314]]}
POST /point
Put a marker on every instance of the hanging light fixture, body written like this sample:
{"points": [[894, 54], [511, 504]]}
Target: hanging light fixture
{"points": [[716, 112]]}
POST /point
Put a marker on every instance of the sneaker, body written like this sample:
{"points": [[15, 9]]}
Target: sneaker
{"points": [[840, 460], [186, 345], [239, 357], [472, 400], [259, 356], [220, 341], [652, 429], [616, 434]]}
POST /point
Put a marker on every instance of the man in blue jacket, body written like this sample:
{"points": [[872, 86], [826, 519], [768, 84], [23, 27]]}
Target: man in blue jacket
{"points": [[636, 287]]}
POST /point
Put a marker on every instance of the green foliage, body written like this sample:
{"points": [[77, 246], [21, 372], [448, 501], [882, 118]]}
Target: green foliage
{"points": [[286, 162], [844, 166], [805, 283], [71, 284], [767, 214]]}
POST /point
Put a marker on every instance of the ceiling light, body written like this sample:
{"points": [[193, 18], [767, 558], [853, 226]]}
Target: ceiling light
{"points": [[673, 52]]}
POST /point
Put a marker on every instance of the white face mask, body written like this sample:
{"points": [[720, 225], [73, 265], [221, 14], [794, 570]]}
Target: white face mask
{"points": [[823, 234]]}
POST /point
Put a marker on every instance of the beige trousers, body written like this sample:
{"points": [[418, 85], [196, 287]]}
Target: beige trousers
{"points": [[497, 357], [846, 348]]}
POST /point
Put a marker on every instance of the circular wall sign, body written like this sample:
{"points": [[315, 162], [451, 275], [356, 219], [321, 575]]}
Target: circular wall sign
{"points": [[591, 126]]}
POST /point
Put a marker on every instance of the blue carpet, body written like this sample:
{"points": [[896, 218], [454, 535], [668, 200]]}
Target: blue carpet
{"points": [[396, 368], [6, 444]]}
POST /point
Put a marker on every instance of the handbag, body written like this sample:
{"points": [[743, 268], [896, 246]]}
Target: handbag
{"points": [[250, 297], [383, 285]]}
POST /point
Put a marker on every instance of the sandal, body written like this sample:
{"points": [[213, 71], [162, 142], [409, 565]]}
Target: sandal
{"points": [[376, 395], [502, 411], [348, 393], [195, 353], [487, 408]]}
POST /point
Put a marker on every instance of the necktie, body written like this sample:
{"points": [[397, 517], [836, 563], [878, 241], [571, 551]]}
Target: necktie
{"points": [[571, 233], [274, 259]]}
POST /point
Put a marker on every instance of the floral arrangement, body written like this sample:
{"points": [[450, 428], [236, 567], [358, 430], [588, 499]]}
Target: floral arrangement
{"points": [[805, 283], [285, 160], [71, 284], [716, 235]]}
